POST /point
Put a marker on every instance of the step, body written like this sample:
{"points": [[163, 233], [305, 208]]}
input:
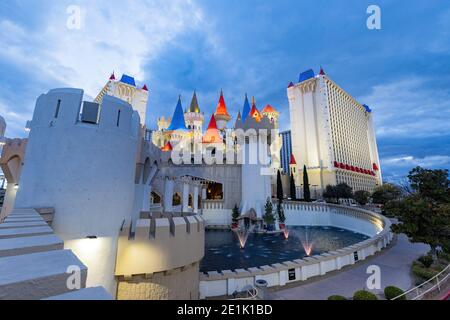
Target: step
{"points": [[26, 245], [38, 275], [9, 225], [24, 232], [37, 218], [93, 293]]}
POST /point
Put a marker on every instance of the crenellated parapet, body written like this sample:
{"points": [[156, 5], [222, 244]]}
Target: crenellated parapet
{"points": [[64, 108], [160, 243]]}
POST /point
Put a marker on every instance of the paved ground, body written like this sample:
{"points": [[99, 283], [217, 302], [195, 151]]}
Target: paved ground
{"points": [[394, 262]]}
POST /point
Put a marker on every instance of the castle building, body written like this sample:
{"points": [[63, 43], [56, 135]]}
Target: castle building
{"points": [[126, 90], [332, 134], [286, 151]]}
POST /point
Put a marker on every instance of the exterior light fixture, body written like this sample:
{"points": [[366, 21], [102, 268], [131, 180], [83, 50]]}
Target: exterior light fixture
{"points": [[16, 186], [91, 237]]}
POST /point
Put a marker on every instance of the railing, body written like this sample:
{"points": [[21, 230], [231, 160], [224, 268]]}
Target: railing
{"points": [[428, 286], [212, 204]]}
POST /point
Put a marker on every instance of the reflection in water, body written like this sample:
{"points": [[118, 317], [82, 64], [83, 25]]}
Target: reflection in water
{"points": [[223, 250]]}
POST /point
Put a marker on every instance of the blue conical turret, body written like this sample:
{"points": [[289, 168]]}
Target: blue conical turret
{"points": [[246, 109], [178, 118]]}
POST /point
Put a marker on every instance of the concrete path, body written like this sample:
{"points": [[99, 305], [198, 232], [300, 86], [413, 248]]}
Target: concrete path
{"points": [[394, 262]]}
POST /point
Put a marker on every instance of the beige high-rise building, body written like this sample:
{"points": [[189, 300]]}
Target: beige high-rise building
{"points": [[332, 134]]}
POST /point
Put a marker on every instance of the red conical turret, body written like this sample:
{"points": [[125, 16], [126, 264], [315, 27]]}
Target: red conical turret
{"points": [[321, 72], [212, 133], [167, 147], [254, 113], [292, 162]]}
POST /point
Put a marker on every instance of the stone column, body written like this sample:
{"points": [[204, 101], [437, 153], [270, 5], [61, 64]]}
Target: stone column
{"points": [[146, 198], [195, 199], [185, 199], [168, 194]]}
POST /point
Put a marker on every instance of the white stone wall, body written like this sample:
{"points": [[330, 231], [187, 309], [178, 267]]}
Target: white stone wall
{"points": [[86, 172]]}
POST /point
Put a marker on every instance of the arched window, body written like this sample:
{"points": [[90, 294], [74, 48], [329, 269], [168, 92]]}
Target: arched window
{"points": [[190, 201], [155, 198], [176, 199]]}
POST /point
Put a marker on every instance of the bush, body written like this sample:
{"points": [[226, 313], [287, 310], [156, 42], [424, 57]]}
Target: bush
{"points": [[422, 272], [364, 295], [337, 297], [426, 260], [391, 292]]}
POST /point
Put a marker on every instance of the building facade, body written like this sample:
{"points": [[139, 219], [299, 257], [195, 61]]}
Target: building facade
{"points": [[332, 134], [286, 151]]}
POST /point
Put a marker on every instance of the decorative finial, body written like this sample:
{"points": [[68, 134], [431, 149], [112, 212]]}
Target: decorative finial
{"points": [[253, 101]]}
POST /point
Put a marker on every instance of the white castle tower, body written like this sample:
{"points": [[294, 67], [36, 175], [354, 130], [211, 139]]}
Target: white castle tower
{"points": [[84, 167], [332, 134], [126, 90]]}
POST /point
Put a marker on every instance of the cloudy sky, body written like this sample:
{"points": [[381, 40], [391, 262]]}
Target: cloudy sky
{"points": [[401, 71]]}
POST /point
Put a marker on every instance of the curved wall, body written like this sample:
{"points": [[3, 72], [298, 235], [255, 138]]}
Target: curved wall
{"points": [[353, 219]]}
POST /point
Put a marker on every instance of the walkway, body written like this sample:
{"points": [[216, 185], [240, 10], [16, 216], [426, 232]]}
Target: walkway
{"points": [[394, 262]]}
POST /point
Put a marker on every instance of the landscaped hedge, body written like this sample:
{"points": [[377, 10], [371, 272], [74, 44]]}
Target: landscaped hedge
{"points": [[391, 292], [426, 260], [337, 297], [422, 272], [364, 295]]}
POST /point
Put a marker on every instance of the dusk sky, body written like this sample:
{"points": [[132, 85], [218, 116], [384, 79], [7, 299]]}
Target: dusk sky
{"points": [[257, 47]]}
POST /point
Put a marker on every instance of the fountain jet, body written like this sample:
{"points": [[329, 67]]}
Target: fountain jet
{"points": [[242, 235], [307, 242], [286, 233]]}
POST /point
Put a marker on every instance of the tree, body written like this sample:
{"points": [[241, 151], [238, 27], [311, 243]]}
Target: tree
{"points": [[361, 196], [330, 192], [292, 187], [424, 216], [235, 213], [279, 187], [268, 212], [385, 193], [280, 212], [431, 184], [344, 191], [306, 192]]}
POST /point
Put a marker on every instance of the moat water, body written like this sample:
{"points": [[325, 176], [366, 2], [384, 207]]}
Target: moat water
{"points": [[223, 251]]}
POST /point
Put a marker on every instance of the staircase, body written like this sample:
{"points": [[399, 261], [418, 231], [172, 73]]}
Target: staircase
{"points": [[34, 264]]}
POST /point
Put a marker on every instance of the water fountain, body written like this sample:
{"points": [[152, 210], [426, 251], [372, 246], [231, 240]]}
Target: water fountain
{"points": [[306, 241], [242, 235], [285, 233]]}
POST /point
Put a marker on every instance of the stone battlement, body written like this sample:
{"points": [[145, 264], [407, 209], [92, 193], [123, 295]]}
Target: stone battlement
{"points": [[62, 108], [160, 244]]}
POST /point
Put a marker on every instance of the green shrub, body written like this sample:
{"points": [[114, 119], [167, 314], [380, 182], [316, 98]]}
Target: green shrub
{"points": [[422, 272], [426, 260], [337, 297], [364, 295], [391, 292]]}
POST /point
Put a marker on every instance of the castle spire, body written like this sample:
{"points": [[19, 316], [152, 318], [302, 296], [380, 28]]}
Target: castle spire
{"points": [[112, 77], [254, 113], [212, 133], [246, 109], [177, 122], [321, 72], [221, 115], [194, 104]]}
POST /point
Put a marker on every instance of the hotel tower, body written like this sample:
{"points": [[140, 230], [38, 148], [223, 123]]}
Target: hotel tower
{"points": [[332, 134]]}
